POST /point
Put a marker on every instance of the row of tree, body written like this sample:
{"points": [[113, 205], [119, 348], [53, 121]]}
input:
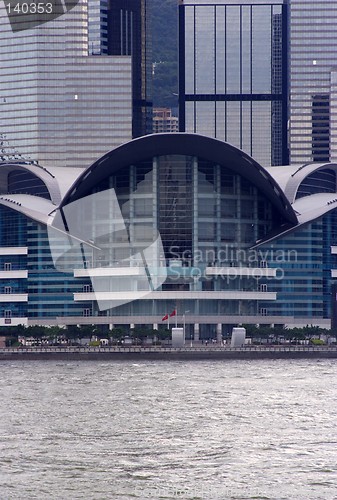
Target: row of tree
{"points": [[73, 333], [278, 333]]}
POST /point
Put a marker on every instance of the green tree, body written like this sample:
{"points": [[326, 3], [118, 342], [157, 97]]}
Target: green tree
{"points": [[163, 334], [36, 331], [117, 333], [140, 333], [73, 332]]}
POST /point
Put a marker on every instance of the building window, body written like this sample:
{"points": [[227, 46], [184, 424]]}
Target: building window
{"points": [[86, 288], [87, 312], [7, 313], [7, 266], [263, 263], [263, 311], [8, 289], [229, 232], [263, 287]]}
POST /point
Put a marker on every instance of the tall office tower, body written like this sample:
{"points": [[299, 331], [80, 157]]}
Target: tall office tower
{"points": [[98, 27], [333, 115], [233, 82], [313, 57], [129, 33], [64, 100]]}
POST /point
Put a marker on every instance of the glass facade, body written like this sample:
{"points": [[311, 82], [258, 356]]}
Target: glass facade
{"points": [[27, 273], [298, 259], [24, 182], [233, 62], [208, 217], [219, 256], [304, 261], [51, 293], [13, 284], [12, 228], [129, 33], [322, 181]]}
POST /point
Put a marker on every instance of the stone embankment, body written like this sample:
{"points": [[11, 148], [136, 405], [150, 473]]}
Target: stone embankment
{"points": [[166, 353]]}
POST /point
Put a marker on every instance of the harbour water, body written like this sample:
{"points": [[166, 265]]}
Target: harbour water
{"points": [[235, 429]]}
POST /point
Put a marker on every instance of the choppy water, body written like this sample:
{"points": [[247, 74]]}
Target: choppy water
{"points": [[166, 430]]}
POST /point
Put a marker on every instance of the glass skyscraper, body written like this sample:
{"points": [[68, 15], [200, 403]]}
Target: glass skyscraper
{"points": [[233, 74], [313, 57], [67, 97], [129, 33]]}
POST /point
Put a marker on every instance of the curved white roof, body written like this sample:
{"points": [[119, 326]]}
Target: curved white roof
{"points": [[60, 181], [291, 177], [56, 180], [66, 177], [34, 207], [187, 144], [281, 174], [311, 207]]}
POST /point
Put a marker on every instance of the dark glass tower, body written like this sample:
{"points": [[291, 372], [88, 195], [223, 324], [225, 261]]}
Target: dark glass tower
{"points": [[233, 71], [129, 34]]}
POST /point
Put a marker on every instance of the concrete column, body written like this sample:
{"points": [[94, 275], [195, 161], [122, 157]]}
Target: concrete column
{"points": [[155, 327], [219, 333], [196, 331]]}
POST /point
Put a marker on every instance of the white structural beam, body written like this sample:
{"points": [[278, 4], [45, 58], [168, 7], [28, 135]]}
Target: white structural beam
{"points": [[13, 251], [175, 295], [255, 272], [13, 297], [109, 271], [13, 274]]}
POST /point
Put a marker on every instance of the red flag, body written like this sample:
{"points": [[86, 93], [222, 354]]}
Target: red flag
{"points": [[173, 313], [165, 317]]}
